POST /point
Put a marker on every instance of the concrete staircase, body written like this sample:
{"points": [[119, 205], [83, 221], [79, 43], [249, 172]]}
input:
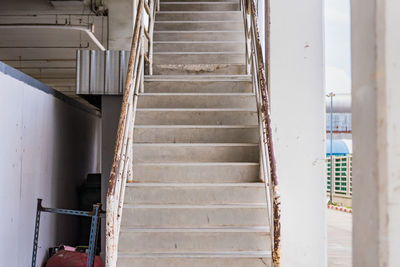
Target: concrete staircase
{"points": [[192, 37], [197, 199]]}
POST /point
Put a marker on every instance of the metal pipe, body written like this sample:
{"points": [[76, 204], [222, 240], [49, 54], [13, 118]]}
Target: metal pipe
{"points": [[89, 29], [45, 47], [117, 175], [342, 104], [263, 90]]}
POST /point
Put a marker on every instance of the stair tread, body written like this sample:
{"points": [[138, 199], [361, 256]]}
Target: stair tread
{"points": [[198, 53], [196, 109], [255, 184], [197, 42], [255, 254], [253, 229], [195, 144], [197, 11], [195, 21], [196, 126], [205, 78], [195, 3], [198, 163], [194, 31], [196, 94], [205, 206]]}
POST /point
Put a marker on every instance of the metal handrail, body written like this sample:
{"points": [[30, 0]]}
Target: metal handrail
{"points": [[256, 67], [121, 171]]}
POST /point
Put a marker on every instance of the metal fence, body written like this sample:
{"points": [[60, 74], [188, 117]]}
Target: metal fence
{"points": [[342, 175]]}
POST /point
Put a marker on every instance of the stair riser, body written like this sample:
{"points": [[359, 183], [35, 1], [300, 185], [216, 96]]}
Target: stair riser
{"points": [[193, 217], [193, 6], [194, 153], [168, 173], [185, 1], [165, 117], [200, 47], [199, 86], [223, 58], [196, 135], [199, 16], [197, 101], [139, 242], [199, 26], [195, 262], [199, 36], [199, 69], [195, 195]]}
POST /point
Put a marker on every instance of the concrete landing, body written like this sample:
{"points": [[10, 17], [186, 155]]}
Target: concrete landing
{"points": [[339, 238]]}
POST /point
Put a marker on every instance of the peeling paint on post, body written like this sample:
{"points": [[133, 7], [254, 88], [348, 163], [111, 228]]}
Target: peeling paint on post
{"points": [[121, 167], [262, 83], [276, 254]]}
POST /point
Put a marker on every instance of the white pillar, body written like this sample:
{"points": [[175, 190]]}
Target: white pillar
{"points": [[298, 117], [376, 132]]}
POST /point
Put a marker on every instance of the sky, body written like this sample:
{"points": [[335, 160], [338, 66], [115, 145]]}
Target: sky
{"points": [[337, 46]]}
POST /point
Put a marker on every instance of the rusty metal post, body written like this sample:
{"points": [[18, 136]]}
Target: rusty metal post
{"points": [[36, 233], [276, 211]]}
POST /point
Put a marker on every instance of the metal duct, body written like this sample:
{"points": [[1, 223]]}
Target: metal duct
{"points": [[341, 103]]}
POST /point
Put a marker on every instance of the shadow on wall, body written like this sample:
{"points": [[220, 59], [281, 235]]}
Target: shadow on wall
{"points": [[76, 136], [49, 144]]}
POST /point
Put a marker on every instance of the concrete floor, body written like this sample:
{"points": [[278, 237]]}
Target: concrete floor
{"points": [[339, 238]]}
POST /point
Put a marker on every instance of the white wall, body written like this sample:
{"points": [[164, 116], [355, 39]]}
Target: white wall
{"points": [[298, 117], [47, 147], [376, 133]]}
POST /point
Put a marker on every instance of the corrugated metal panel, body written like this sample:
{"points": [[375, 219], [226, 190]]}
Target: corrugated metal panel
{"points": [[83, 71], [97, 70], [124, 62], [111, 72], [101, 72]]}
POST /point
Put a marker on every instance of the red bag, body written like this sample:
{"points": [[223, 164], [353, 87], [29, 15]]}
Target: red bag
{"points": [[65, 258]]}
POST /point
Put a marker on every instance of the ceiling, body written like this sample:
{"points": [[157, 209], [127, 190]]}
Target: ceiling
{"points": [[40, 38]]}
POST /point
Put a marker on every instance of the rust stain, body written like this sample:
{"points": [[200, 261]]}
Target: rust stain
{"points": [[265, 108], [276, 254], [117, 174]]}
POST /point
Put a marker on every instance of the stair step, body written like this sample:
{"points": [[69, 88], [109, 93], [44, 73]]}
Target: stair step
{"points": [[194, 216], [198, 69], [196, 134], [196, 46], [200, 78], [226, 25], [196, 100], [205, 259], [199, 6], [199, 35], [207, 172], [180, 116], [198, 15], [195, 152], [166, 1], [191, 194], [199, 58], [199, 83], [193, 240]]}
